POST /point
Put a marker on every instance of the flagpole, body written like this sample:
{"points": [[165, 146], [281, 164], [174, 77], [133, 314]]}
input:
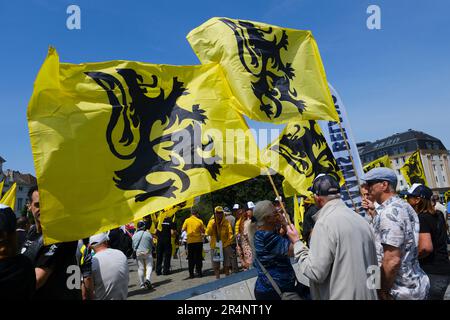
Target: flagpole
{"points": [[354, 167], [286, 216]]}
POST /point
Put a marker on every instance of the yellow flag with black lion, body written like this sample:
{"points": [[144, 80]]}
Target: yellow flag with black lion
{"points": [[276, 73], [114, 141], [413, 170]]}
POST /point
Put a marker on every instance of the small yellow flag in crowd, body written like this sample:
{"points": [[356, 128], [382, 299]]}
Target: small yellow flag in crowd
{"points": [[276, 73], [299, 154], [380, 162], [114, 141], [413, 170]]}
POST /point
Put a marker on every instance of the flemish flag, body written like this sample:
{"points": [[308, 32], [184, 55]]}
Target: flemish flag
{"points": [[9, 198], [377, 163], [113, 141], [300, 154], [1, 187], [276, 73], [413, 170], [447, 196]]}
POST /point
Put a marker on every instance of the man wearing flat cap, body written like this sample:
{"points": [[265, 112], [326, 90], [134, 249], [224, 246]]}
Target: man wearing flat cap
{"points": [[342, 247], [396, 228]]}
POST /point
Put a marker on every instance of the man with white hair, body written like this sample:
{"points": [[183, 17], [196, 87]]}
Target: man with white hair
{"points": [[109, 270], [342, 248]]}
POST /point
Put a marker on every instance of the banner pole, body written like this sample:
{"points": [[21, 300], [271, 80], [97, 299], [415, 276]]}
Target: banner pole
{"points": [[354, 167]]}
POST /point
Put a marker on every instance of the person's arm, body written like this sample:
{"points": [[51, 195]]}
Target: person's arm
{"points": [[210, 227], [392, 239], [425, 245], [316, 263], [42, 275], [87, 289], [389, 269]]}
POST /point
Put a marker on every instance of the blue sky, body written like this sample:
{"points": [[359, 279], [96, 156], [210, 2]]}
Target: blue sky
{"points": [[390, 80]]}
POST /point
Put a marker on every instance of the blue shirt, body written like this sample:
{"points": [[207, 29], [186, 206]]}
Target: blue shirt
{"points": [[272, 251]]}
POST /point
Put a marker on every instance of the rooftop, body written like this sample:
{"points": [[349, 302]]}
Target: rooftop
{"points": [[412, 139]]}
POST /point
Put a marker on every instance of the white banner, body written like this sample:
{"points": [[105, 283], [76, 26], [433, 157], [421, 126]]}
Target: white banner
{"points": [[334, 136]]}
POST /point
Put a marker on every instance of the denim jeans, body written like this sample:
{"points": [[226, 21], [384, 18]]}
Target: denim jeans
{"points": [[438, 286]]}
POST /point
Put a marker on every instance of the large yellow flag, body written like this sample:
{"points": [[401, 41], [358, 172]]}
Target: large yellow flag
{"points": [[413, 170], [113, 141], [9, 198], [380, 162], [299, 154], [1, 187], [276, 73]]}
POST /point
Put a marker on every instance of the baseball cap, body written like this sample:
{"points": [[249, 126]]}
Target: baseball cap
{"points": [[324, 185], [7, 219], [141, 224], [278, 199], [218, 209], [419, 190], [250, 205], [381, 174], [98, 239], [236, 206]]}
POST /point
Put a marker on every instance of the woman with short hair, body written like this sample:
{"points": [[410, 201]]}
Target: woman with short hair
{"points": [[273, 252]]}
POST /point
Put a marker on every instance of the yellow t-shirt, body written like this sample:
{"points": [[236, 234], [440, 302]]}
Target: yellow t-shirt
{"points": [[236, 227], [194, 228], [225, 231]]}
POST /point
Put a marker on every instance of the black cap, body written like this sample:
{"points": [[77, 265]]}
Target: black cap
{"points": [[141, 225], [7, 219], [324, 185], [419, 190]]}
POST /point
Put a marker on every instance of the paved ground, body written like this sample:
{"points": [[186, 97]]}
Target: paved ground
{"points": [[178, 279]]}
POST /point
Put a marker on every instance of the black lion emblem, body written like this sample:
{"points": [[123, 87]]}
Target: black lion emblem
{"points": [[306, 151], [142, 112], [414, 170], [273, 84]]}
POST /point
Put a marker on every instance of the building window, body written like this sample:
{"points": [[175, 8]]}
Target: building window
{"points": [[19, 203], [442, 167], [20, 188], [437, 179], [434, 167]]}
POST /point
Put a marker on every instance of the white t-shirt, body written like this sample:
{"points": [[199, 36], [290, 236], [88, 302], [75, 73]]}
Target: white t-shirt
{"points": [[439, 206], [110, 275], [184, 236]]}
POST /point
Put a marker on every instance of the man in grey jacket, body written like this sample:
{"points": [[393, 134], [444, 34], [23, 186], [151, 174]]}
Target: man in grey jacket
{"points": [[342, 254]]}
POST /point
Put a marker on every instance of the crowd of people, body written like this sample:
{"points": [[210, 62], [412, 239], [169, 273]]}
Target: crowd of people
{"points": [[398, 251]]}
